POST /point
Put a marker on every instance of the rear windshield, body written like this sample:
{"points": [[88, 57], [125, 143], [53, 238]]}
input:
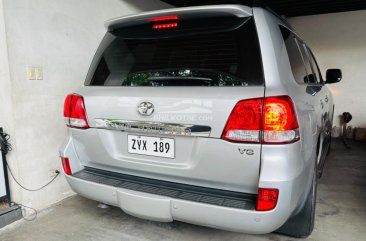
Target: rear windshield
{"points": [[226, 58]]}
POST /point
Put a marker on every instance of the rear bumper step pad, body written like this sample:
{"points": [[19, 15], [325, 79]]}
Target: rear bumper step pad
{"points": [[169, 189]]}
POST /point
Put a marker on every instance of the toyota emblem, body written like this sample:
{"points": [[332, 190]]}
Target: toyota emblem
{"points": [[145, 108]]}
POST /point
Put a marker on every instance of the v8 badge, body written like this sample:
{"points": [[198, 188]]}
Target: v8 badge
{"points": [[243, 151]]}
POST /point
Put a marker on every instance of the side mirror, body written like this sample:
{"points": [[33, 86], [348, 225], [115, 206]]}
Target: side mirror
{"points": [[333, 76]]}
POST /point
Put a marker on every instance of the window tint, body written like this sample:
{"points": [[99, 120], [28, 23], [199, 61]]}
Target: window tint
{"points": [[230, 58], [315, 67], [310, 77], [295, 56]]}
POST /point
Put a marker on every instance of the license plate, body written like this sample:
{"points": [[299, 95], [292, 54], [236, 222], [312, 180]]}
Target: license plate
{"points": [[151, 146]]}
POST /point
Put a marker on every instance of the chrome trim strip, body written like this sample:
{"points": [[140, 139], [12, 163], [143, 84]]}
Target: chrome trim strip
{"points": [[154, 127]]}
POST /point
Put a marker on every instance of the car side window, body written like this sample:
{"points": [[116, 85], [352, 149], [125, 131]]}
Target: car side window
{"points": [[310, 77], [295, 56], [314, 75], [314, 65]]}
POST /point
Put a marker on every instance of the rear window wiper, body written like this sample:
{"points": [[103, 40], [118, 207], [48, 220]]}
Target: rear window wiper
{"points": [[179, 81]]}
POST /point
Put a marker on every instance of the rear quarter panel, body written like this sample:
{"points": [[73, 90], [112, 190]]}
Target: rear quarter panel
{"points": [[292, 161]]}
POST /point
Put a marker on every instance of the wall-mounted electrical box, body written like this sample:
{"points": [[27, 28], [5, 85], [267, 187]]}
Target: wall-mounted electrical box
{"points": [[34, 73]]}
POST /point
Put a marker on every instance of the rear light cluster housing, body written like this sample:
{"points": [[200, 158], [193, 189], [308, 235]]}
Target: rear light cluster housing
{"points": [[74, 112], [269, 120]]}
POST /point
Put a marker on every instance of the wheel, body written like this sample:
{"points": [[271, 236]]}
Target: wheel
{"points": [[302, 224]]}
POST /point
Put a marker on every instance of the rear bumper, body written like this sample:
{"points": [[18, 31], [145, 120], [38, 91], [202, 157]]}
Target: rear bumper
{"points": [[281, 169], [166, 209]]}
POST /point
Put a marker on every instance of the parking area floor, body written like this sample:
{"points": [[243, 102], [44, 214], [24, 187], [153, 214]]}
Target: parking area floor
{"points": [[340, 214]]}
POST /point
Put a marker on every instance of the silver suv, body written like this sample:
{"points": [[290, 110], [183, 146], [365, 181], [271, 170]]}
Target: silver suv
{"points": [[213, 115]]}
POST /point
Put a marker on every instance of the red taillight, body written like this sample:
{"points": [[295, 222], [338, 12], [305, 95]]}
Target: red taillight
{"points": [[279, 114], [164, 22], [244, 123], [267, 199], [279, 120], [66, 165], [74, 112], [270, 120]]}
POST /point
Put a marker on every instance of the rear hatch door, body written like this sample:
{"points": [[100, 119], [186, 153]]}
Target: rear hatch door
{"points": [[159, 93]]}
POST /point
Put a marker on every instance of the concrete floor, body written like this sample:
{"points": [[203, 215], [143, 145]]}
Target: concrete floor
{"points": [[340, 215]]}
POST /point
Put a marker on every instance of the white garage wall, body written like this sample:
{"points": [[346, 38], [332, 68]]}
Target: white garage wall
{"points": [[5, 85], [60, 36], [338, 40]]}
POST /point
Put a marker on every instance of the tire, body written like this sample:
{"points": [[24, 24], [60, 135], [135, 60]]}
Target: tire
{"points": [[302, 224]]}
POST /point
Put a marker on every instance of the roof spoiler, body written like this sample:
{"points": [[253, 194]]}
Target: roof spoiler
{"points": [[237, 10]]}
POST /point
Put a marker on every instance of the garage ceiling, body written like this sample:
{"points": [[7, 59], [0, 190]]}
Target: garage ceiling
{"points": [[289, 8]]}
